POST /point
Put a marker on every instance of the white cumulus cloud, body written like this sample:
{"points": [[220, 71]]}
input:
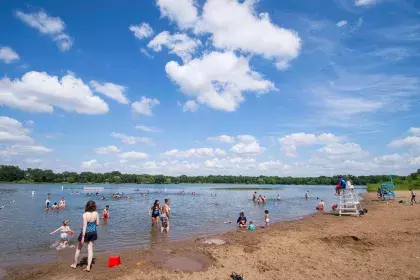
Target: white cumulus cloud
{"points": [[182, 12], [200, 152], [91, 164], [365, 2], [341, 23], [179, 44], [52, 26], [20, 150], [251, 148], [409, 141], [40, 92], [218, 79], [12, 130], [8, 55], [222, 139], [414, 130], [144, 106], [147, 128], [191, 106], [142, 30], [235, 26], [111, 90], [107, 150], [134, 155], [131, 140]]}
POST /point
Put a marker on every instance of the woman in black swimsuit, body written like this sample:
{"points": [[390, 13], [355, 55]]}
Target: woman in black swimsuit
{"points": [[155, 213]]}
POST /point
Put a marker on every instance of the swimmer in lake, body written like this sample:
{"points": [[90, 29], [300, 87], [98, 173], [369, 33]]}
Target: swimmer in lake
{"points": [[306, 195], [155, 213], [62, 203], [105, 213], [241, 221], [278, 197], [320, 206], [55, 206], [65, 231]]}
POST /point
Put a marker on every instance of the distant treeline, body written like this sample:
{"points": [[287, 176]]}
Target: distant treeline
{"points": [[14, 174]]}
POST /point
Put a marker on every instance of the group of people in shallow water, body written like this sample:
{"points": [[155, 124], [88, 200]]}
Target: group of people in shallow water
{"points": [[90, 223], [162, 213], [261, 199], [55, 206], [159, 214]]}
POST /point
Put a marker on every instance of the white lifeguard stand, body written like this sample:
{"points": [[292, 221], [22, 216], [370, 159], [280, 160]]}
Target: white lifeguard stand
{"points": [[349, 202]]}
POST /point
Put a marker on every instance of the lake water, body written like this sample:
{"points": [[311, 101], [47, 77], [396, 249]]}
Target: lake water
{"points": [[25, 226]]}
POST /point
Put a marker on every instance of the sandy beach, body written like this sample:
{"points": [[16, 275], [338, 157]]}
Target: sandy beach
{"points": [[383, 244]]}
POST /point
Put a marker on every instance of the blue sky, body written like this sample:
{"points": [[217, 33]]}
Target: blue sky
{"points": [[298, 88]]}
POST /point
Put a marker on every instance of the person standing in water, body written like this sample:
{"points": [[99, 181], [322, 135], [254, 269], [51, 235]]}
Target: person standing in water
{"points": [[47, 203], [88, 234], [254, 196], [278, 197], [155, 213], [307, 195]]}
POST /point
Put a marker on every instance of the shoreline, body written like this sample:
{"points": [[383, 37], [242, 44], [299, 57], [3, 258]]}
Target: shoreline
{"points": [[314, 246]]}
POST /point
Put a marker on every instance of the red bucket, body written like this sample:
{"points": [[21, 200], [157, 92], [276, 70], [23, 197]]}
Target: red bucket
{"points": [[114, 261]]}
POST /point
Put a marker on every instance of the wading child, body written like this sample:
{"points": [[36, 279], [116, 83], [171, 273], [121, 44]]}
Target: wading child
{"points": [[105, 213], [267, 220], [65, 231], [164, 223]]}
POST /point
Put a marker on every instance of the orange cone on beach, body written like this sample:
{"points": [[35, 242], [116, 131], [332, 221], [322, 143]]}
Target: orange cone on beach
{"points": [[114, 261]]}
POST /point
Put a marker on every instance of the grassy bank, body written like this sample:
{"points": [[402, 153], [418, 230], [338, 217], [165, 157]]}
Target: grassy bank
{"points": [[410, 182]]}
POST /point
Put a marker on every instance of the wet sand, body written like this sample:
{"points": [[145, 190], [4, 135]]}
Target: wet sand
{"points": [[383, 244]]}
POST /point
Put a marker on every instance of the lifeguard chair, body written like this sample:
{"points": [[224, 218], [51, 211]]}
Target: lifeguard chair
{"points": [[388, 190], [349, 202]]}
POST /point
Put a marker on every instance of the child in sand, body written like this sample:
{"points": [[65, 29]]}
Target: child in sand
{"points": [[267, 220], [105, 213], [241, 221], [65, 231], [251, 226], [413, 197]]}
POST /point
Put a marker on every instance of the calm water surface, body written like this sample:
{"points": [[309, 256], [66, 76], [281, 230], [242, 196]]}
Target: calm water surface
{"points": [[25, 226]]}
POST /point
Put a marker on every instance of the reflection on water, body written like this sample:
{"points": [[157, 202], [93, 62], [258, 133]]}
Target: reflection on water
{"points": [[25, 226]]}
